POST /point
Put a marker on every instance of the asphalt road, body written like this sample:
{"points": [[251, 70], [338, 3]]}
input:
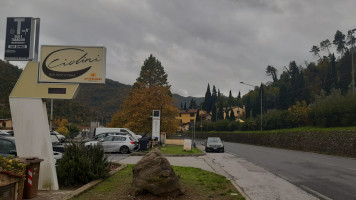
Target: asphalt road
{"points": [[327, 177]]}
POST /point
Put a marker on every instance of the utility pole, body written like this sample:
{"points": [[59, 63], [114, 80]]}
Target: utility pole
{"points": [[261, 98]]}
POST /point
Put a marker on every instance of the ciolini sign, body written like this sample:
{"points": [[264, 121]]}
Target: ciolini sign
{"points": [[72, 64]]}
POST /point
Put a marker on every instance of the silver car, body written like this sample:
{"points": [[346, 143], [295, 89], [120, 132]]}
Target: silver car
{"points": [[119, 143]]}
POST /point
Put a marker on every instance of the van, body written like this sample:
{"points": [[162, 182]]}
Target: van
{"points": [[116, 130]]}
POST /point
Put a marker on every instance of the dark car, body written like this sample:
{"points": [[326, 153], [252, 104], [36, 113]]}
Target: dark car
{"points": [[214, 144], [8, 147]]}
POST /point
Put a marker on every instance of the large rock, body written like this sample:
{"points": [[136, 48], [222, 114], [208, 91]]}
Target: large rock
{"points": [[154, 174]]}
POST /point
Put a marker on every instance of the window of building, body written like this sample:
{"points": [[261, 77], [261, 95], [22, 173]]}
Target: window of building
{"points": [[192, 114]]}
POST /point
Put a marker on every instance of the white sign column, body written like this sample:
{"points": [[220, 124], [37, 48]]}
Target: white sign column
{"points": [[156, 123]]}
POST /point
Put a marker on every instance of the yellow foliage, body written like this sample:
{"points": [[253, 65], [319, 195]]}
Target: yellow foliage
{"points": [[63, 130], [300, 112], [137, 109]]}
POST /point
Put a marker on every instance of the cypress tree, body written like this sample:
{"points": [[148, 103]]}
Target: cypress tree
{"points": [[207, 100]]}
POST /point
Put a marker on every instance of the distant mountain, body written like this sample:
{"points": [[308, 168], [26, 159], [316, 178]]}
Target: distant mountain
{"points": [[181, 100]]}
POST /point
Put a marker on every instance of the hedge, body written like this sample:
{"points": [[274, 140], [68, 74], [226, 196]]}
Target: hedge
{"points": [[342, 143]]}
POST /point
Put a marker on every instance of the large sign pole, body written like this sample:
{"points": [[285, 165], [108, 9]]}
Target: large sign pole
{"points": [[30, 121], [60, 71]]}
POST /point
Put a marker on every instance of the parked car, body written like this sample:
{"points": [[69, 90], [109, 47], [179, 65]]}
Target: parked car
{"points": [[100, 130], [119, 143], [8, 147], [56, 143], [214, 144], [7, 132], [61, 137]]}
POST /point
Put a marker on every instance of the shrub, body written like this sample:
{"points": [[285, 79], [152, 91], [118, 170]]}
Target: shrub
{"points": [[333, 110], [81, 164]]}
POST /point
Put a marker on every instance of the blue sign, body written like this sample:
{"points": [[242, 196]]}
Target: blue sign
{"points": [[18, 44]]}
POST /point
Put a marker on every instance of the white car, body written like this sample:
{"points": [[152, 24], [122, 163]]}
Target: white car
{"points": [[119, 143], [61, 137], [116, 143]]}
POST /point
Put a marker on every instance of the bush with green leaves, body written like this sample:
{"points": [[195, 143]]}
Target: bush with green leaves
{"points": [[81, 164], [334, 110]]}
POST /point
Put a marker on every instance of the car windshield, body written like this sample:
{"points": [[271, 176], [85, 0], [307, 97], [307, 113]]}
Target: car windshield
{"points": [[54, 139], [214, 140]]}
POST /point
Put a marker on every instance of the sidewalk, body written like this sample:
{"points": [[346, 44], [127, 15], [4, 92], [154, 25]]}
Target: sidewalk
{"points": [[252, 181]]}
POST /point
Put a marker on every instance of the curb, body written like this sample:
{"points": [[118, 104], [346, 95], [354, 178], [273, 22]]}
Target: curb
{"points": [[168, 155], [92, 184]]}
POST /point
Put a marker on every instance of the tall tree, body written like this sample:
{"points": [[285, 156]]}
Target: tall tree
{"points": [[315, 50], [272, 71], [214, 97], [207, 100], [220, 106], [325, 45], [152, 74], [339, 41], [185, 106], [151, 91], [238, 100], [193, 104], [230, 100]]}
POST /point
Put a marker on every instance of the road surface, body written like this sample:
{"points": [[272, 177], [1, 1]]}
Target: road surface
{"points": [[327, 177]]}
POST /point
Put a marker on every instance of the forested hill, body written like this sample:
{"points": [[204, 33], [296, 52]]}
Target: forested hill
{"points": [[93, 102], [180, 100], [8, 77]]}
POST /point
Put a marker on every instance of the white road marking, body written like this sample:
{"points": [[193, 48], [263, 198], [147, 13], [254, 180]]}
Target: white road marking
{"points": [[316, 193]]}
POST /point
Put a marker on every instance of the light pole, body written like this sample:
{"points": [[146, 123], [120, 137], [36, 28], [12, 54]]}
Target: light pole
{"points": [[261, 97], [352, 61]]}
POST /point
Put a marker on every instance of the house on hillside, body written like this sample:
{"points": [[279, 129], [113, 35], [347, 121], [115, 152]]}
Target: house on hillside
{"points": [[186, 117], [5, 123], [238, 112]]}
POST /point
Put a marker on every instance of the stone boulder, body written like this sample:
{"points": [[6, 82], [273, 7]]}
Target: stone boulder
{"points": [[153, 174]]}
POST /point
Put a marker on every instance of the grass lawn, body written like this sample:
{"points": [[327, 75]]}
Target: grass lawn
{"points": [[175, 149], [198, 185]]}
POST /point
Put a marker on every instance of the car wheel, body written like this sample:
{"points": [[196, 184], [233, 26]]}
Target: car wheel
{"points": [[124, 150]]}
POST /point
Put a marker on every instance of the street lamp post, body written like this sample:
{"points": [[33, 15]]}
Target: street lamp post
{"points": [[261, 98], [352, 63]]}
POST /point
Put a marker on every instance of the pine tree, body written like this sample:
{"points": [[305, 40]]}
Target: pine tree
{"points": [[185, 105]]}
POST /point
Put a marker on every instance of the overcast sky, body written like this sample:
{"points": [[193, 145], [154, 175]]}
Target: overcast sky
{"points": [[221, 42]]}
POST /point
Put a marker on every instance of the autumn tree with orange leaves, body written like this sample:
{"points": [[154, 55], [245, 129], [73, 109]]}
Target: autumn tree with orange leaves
{"points": [[151, 91]]}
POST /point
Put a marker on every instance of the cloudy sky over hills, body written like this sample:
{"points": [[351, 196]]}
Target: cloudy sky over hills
{"points": [[221, 42]]}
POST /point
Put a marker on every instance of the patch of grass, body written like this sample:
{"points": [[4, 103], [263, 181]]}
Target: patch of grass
{"points": [[198, 184], [175, 149]]}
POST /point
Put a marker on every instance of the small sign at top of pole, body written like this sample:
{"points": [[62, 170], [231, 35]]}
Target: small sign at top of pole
{"points": [[22, 38]]}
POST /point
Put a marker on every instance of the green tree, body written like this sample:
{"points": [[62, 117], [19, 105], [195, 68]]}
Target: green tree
{"points": [[230, 100], [152, 74], [315, 50], [272, 71], [325, 45], [193, 104], [207, 100], [339, 42]]}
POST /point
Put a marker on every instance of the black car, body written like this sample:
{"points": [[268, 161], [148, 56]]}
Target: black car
{"points": [[8, 147], [214, 144]]}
